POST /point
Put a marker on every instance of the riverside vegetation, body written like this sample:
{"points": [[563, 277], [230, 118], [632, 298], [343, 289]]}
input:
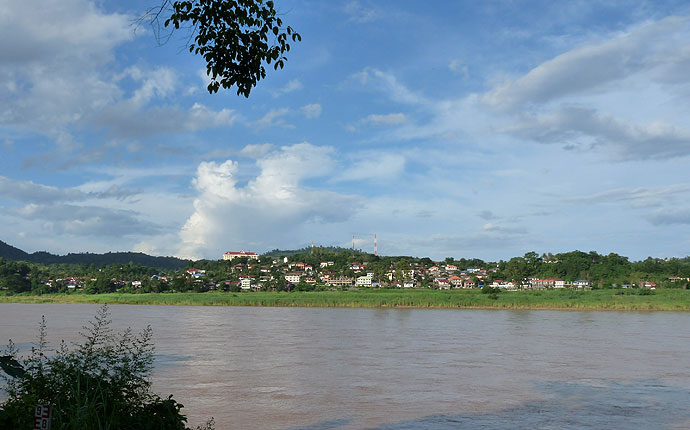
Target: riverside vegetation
{"points": [[612, 282], [101, 383], [604, 299]]}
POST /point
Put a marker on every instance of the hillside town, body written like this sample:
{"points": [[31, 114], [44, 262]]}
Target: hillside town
{"points": [[240, 271]]}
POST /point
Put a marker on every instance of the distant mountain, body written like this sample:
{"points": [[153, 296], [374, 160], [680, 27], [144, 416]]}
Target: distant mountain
{"points": [[9, 252]]}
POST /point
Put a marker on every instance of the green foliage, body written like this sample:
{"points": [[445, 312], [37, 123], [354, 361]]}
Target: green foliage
{"points": [[100, 383], [86, 258], [235, 38]]}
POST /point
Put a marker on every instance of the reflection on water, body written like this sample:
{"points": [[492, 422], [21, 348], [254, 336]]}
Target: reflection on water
{"points": [[296, 368]]}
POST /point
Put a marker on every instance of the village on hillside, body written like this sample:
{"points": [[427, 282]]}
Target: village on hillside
{"points": [[240, 271]]}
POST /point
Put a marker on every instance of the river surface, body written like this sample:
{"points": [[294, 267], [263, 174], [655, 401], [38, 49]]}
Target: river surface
{"points": [[395, 369]]}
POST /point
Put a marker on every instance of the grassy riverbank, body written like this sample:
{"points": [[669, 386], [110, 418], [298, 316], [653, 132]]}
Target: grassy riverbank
{"points": [[667, 300]]}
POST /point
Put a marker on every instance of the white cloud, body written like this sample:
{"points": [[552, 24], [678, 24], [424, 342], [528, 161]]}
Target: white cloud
{"points": [[274, 118], [377, 166], [88, 220], [311, 111], [582, 127], [457, 67], [670, 216], [389, 84], [256, 151], [590, 68], [55, 73], [385, 119], [293, 85], [30, 192], [271, 207], [124, 120], [641, 196], [359, 13]]}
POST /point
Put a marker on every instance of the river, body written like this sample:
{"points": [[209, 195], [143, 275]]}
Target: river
{"points": [[395, 369]]}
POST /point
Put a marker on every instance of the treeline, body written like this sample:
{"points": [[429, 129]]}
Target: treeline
{"points": [[170, 263], [600, 270], [20, 276]]}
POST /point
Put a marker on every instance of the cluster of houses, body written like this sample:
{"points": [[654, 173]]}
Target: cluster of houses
{"points": [[446, 276], [253, 274]]}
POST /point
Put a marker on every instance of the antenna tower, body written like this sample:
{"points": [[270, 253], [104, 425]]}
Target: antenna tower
{"points": [[376, 249]]}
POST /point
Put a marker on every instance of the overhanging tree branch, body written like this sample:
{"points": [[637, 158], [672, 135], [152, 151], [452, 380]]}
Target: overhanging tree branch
{"points": [[235, 37]]}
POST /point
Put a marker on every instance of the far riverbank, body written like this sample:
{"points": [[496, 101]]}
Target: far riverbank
{"points": [[608, 299]]}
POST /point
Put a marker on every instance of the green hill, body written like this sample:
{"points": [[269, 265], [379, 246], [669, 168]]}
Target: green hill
{"points": [[9, 252]]}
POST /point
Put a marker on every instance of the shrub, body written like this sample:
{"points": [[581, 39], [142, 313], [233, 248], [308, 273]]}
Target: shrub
{"points": [[101, 383]]}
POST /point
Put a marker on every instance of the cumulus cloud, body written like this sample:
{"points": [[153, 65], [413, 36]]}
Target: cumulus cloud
{"points": [[272, 206], [49, 70], [60, 79]]}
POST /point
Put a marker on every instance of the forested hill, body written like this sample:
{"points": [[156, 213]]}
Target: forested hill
{"points": [[318, 250], [9, 252]]}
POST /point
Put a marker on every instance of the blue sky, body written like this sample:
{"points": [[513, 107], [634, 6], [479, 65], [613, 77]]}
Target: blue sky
{"points": [[463, 129]]}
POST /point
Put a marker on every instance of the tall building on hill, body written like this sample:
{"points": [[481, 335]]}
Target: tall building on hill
{"points": [[231, 255]]}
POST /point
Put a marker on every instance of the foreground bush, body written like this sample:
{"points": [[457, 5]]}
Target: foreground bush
{"points": [[101, 383]]}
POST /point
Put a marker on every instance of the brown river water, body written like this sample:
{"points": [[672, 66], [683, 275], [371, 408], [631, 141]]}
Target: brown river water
{"points": [[395, 369]]}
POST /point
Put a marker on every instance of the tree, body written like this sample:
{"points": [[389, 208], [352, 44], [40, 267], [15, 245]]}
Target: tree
{"points": [[231, 35], [517, 270], [101, 383]]}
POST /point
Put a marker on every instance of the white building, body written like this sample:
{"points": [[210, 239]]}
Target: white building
{"points": [[292, 278], [231, 255], [246, 283], [364, 281]]}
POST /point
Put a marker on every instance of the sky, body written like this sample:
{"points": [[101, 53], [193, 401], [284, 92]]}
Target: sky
{"points": [[448, 129]]}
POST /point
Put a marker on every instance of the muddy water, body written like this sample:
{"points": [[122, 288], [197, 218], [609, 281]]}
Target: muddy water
{"points": [[297, 368]]}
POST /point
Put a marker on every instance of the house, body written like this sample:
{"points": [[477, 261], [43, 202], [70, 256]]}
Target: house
{"points": [[364, 281], [292, 278], [505, 285], [246, 282], [339, 282], [581, 284], [442, 283], [232, 255], [455, 281], [195, 273], [409, 284], [451, 268], [540, 284]]}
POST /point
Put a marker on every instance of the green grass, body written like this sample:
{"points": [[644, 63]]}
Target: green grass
{"points": [[668, 300]]}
